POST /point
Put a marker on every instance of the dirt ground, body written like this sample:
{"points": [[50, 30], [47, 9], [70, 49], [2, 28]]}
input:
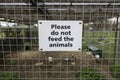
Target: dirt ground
{"points": [[34, 65]]}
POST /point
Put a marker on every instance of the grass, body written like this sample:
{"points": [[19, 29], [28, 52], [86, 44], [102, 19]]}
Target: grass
{"points": [[89, 74], [103, 40], [9, 76], [115, 71]]}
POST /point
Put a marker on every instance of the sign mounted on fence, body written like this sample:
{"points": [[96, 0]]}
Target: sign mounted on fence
{"points": [[60, 35]]}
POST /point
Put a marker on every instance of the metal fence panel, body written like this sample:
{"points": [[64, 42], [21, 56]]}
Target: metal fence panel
{"points": [[20, 58]]}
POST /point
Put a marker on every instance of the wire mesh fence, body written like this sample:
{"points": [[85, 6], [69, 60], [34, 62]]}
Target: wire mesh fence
{"points": [[20, 58]]}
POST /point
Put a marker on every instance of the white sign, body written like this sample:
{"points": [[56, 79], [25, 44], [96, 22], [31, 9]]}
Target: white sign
{"points": [[60, 35]]}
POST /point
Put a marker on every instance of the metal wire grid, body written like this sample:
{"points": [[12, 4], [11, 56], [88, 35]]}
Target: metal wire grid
{"points": [[20, 58]]}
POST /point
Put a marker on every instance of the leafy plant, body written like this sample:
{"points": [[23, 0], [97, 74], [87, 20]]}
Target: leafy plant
{"points": [[89, 74], [9, 76], [115, 71]]}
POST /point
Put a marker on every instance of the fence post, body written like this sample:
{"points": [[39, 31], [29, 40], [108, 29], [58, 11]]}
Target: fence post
{"points": [[117, 42]]}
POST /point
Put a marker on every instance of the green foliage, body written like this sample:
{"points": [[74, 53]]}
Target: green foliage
{"points": [[9, 76], [84, 46], [115, 70], [12, 62], [103, 40], [2, 35], [89, 74]]}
